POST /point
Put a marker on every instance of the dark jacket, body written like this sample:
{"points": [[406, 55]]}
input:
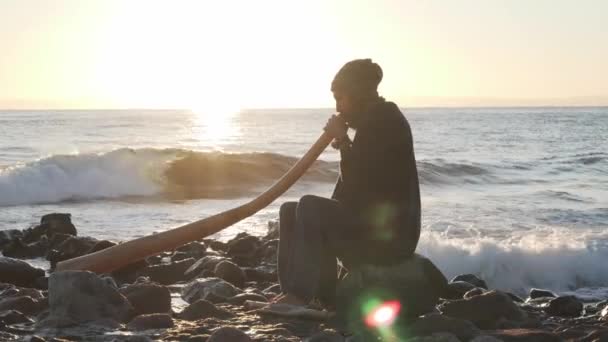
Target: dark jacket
{"points": [[379, 181]]}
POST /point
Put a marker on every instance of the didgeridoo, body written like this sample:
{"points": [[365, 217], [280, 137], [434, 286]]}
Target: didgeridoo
{"points": [[123, 254]]}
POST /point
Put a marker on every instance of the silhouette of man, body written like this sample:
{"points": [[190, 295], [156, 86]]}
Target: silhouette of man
{"points": [[373, 216]]}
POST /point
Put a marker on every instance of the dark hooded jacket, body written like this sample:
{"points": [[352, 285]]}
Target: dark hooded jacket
{"points": [[378, 183]]}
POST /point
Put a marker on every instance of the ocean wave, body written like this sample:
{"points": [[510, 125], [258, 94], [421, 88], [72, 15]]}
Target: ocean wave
{"points": [[439, 171], [557, 260], [216, 174], [186, 174], [173, 173]]}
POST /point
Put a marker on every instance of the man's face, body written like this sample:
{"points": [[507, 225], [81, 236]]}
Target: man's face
{"points": [[344, 103]]}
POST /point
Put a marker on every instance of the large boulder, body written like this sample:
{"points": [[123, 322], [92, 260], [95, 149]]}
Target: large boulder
{"points": [[167, 274], [18, 272], [214, 290], [81, 296], [487, 310], [416, 283], [148, 298]]}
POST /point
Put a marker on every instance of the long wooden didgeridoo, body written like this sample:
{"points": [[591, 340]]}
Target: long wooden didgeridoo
{"points": [[115, 257]]}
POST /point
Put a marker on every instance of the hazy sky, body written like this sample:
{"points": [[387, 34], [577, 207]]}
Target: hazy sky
{"points": [[229, 54]]}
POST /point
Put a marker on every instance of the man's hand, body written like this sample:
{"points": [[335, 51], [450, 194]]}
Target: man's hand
{"points": [[336, 127]]}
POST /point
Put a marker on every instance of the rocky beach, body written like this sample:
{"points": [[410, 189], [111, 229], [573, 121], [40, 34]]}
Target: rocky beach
{"points": [[212, 291]]}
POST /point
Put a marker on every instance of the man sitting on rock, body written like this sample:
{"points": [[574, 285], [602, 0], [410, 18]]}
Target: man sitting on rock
{"points": [[373, 216]]}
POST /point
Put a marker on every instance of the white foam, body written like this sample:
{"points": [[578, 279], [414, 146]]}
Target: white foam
{"points": [[559, 260], [118, 173]]}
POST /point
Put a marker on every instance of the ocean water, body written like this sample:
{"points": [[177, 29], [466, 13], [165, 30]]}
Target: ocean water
{"points": [[518, 196]]}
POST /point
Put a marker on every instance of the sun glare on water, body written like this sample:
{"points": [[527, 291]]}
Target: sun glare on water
{"points": [[215, 126]]}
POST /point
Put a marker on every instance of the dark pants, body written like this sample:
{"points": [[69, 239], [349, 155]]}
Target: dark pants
{"points": [[313, 233]]}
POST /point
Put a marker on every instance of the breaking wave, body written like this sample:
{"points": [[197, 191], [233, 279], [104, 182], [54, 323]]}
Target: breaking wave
{"points": [[186, 174], [559, 260]]}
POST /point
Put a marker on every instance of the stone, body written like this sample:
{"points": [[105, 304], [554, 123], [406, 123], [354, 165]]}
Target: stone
{"points": [[212, 289], [4, 336], [179, 256], [101, 245], [24, 304], [515, 297], [229, 334], [19, 249], [486, 311], [81, 296], [167, 274], [457, 289], [128, 274], [203, 309], [597, 335], [325, 336], [205, 263], [14, 291], [148, 298], [260, 274], [18, 272], [193, 249], [243, 246], [474, 292], [485, 338], [216, 245], [524, 335], [151, 321], [537, 293], [240, 298], [436, 337], [539, 301], [565, 306], [13, 317], [273, 230], [9, 235], [230, 272], [416, 283], [434, 323], [471, 279], [58, 223], [272, 290], [72, 247]]}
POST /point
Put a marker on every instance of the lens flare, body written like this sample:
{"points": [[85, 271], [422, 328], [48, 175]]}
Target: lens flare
{"points": [[383, 315]]}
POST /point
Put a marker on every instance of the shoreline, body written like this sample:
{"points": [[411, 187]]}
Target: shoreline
{"points": [[198, 292]]}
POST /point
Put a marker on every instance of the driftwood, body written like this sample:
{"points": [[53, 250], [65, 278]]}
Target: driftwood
{"points": [[118, 256]]}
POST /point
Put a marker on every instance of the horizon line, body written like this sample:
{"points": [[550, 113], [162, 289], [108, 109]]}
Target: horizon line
{"points": [[275, 108]]}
